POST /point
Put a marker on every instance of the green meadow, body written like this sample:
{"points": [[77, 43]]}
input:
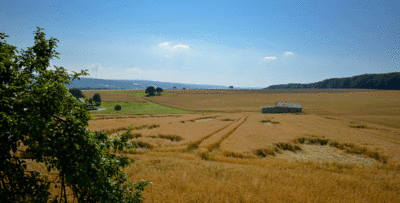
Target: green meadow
{"points": [[139, 108]]}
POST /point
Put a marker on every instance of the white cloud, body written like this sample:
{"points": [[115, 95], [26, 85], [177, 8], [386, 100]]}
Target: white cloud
{"points": [[173, 48], [164, 45], [289, 53], [270, 58], [181, 46]]}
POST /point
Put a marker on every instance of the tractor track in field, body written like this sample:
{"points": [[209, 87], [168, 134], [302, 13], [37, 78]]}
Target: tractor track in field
{"points": [[196, 144], [216, 145]]}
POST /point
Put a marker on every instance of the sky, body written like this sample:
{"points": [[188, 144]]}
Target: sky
{"points": [[239, 43]]}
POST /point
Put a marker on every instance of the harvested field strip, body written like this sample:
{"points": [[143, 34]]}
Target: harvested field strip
{"points": [[217, 144], [173, 138], [195, 145]]}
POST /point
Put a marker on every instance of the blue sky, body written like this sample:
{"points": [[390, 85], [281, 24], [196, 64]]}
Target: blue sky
{"points": [[239, 43]]}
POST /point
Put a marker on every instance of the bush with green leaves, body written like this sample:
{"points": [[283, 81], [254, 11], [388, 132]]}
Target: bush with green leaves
{"points": [[40, 120], [76, 93], [97, 99], [117, 107], [150, 91], [159, 90]]}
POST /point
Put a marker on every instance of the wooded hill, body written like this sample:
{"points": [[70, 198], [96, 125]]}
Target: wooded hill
{"points": [[386, 81]]}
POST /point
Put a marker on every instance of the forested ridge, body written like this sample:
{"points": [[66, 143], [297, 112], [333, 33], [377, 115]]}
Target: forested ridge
{"points": [[386, 81]]}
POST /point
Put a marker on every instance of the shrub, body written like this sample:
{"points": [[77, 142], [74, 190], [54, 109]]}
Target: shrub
{"points": [[76, 93], [150, 91], [206, 155], [159, 90], [97, 99], [117, 107]]}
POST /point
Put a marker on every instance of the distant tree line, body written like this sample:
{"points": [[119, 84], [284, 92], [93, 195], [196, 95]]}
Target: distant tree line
{"points": [[387, 81], [97, 88]]}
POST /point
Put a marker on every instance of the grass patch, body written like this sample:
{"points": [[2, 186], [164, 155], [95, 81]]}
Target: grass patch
{"points": [[173, 138], [269, 121], [139, 108], [136, 135], [227, 119], [114, 130], [206, 155], [306, 140], [331, 118], [141, 144], [288, 146], [132, 151], [152, 126], [193, 146], [263, 152], [359, 126]]}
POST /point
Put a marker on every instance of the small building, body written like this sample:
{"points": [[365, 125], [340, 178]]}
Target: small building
{"points": [[283, 107]]}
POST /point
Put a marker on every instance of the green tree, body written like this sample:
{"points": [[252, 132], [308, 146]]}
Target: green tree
{"points": [[42, 121], [159, 90], [231, 87], [117, 107], [150, 91], [97, 99], [76, 93]]}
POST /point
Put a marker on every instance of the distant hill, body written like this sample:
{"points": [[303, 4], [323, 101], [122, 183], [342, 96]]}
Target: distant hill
{"points": [[93, 83], [386, 81]]}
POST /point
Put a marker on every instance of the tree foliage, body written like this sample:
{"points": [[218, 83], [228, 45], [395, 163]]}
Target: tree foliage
{"points": [[159, 90], [76, 93], [117, 107], [150, 90], [97, 99], [41, 121]]}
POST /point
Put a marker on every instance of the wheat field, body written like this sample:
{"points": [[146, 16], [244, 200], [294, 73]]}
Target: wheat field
{"points": [[344, 147]]}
